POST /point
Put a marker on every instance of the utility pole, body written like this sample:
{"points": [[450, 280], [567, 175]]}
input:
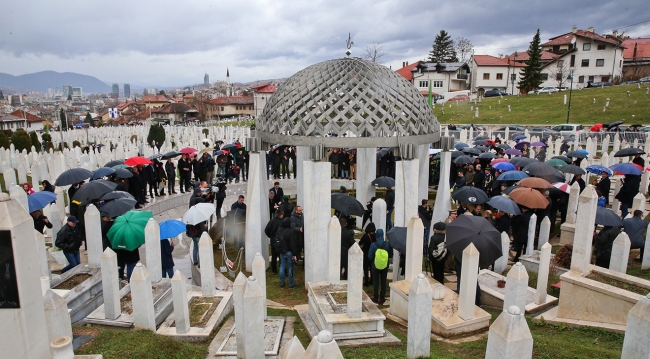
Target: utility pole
{"points": [[568, 114]]}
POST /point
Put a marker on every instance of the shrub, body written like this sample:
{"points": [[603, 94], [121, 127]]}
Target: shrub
{"points": [[21, 140], [35, 142], [206, 132], [4, 141], [134, 138], [46, 137], [156, 134], [76, 144]]}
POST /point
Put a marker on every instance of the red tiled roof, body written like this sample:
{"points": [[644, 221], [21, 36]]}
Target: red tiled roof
{"points": [[26, 115], [171, 108], [233, 100], [487, 60], [268, 88], [155, 98], [565, 39], [642, 48], [122, 106], [523, 56], [177, 99], [425, 93], [406, 71]]}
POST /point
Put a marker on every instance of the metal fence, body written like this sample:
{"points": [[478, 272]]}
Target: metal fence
{"points": [[598, 137]]}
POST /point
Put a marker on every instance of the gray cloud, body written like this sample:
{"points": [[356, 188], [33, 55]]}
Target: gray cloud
{"points": [[174, 43]]}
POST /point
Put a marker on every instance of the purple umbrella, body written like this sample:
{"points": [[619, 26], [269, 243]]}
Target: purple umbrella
{"points": [[521, 144], [512, 151], [542, 144]]}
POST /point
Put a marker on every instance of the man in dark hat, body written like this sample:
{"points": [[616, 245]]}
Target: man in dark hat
{"points": [[69, 239]]}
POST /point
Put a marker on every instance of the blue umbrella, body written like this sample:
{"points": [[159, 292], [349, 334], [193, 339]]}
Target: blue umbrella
{"points": [[512, 175], [626, 169], [102, 172], [505, 204], [460, 145], [598, 169], [171, 228], [505, 166], [583, 151], [520, 137], [39, 200]]}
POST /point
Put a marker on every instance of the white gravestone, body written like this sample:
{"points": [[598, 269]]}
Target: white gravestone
{"points": [[334, 251], [355, 281], [645, 264], [573, 203], [152, 245], [253, 319], [239, 286], [292, 349], [259, 272], [414, 245], [637, 330], [516, 287], [419, 318], [542, 275], [110, 285], [620, 253], [56, 315], [501, 263], [142, 299], [317, 201], [206, 258], [379, 214], [582, 240], [532, 223], [544, 232], [323, 346], [509, 336], [468, 278], [94, 235], [181, 310]]}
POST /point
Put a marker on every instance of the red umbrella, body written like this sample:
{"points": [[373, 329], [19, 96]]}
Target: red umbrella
{"points": [[497, 160], [596, 127], [188, 150], [491, 142], [134, 161]]}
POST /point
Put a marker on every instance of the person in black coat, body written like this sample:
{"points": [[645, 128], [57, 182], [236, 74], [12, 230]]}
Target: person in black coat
{"points": [[220, 196], [425, 212], [639, 160], [47, 186], [437, 251], [278, 192], [69, 239], [126, 261], [161, 176], [604, 185], [74, 205], [367, 214], [136, 187], [40, 221], [289, 252], [578, 179], [166, 259], [196, 198], [185, 173], [347, 241], [627, 192], [271, 231], [603, 242], [520, 226], [366, 240], [106, 225], [150, 178], [170, 170], [389, 197], [275, 162]]}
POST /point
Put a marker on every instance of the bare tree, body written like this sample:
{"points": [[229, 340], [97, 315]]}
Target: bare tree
{"points": [[560, 71], [374, 52], [464, 49]]}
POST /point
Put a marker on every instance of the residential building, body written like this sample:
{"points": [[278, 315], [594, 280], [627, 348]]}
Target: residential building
{"points": [[261, 95], [443, 77], [171, 112], [127, 90], [229, 106], [589, 56], [490, 72], [28, 121], [636, 58], [154, 101]]}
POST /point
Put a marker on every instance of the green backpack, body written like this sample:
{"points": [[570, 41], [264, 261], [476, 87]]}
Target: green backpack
{"points": [[381, 258]]}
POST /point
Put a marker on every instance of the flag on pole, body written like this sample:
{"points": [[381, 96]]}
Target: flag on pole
{"points": [[430, 95]]}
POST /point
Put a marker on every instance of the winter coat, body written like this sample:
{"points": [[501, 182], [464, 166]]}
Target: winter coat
{"points": [[334, 158], [207, 164], [170, 168], [379, 243], [166, 249], [368, 238], [390, 199], [634, 227], [297, 222], [160, 172], [520, 226], [196, 166], [124, 256], [291, 240], [629, 189], [240, 160], [106, 226], [437, 238], [69, 239], [425, 216], [603, 242], [604, 186], [184, 164], [40, 224], [347, 241], [272, 227], [278, 194]]}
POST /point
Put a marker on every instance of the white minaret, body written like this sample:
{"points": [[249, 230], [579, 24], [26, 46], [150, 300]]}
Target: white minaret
{"points": [[228, 89]]}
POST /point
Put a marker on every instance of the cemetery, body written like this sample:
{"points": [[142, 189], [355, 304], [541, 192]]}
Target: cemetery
{"points": [[222, 299]]}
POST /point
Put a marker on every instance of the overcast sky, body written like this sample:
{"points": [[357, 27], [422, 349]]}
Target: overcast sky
{"points": [[169, 43]]}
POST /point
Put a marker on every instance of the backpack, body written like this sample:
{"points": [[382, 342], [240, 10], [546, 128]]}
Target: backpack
{"points": [[381, 258], [278, 244], [439, 252]]}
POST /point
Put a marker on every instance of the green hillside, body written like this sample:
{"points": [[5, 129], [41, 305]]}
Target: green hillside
{"points": [[545, 109]]}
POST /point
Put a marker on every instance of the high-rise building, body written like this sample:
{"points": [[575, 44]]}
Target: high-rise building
{"points": [[67, 92], [77, 93], [1, 95], [116, 90], [206, 79], [145, 91], [127, 90]]}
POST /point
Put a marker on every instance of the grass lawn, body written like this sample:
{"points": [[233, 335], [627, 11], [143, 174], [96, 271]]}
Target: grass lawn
{"points": [[547, 109]]}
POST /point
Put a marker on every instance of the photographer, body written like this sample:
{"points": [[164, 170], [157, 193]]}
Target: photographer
{"points": [[220, 195], [426, 213]]}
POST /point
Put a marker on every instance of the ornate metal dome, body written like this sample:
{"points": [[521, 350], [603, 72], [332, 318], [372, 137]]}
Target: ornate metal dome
{"points": [[367, 103]]}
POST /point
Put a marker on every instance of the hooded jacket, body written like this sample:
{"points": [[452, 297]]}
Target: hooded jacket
{"points": [[379, 243], [368, 238]]}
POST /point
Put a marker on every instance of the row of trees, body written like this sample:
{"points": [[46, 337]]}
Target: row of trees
{"points": [[447, 50], [24, 141]]}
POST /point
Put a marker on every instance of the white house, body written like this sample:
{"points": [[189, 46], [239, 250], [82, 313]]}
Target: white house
{"points": [[490, 72], [591, 58], [443, 77]]}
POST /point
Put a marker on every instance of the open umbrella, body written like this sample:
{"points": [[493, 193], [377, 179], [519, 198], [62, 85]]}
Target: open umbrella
{"points": [[576, 154], [93, 190], [564, 187], [114, 163], [460, 145], [607, 217], [512, 151], [117, 207], [347, 204], [522, 144], [456, 154], [573, 169], [383, 181], [522, 162], [520, 137], [198, 213], [504, 166], [528, 197], [504, 204], [471, 151], [596, 127], [478, 231], [479, 138], [121, 166], [487, 156], [228, 146], [115, 195], [71, 176], [570, 139], [469, 194], [127, 232], [538, 144], [189, 150], [556, 163], [598, 169], [626, 169], [498, 160], [615, 124], [155, 156], [629, 152], [563, 158], [102, 172], [534, 182], [510, 189], [512, 176], [137, 160], [539, 169], [123, 173], [463, 160], [39, 200], [397, 238], [481, 148], [171, 154], [480, 143], [504, 146], [171, 228]]}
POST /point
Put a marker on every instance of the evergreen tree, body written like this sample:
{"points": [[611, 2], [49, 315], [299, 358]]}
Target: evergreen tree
{"points": [[64, 122], [4, 141], [21, 140], [88, 119], [35, 142], [443, 48], [531, 75], [156, 134]]}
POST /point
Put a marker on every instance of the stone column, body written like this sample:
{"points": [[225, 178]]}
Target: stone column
{"points": [[61, 348], [443, 197], [468, 278], [259, 272], [257, 208], [142, 299], [532, 223], [366, 173], [573, 203], [253, 320], [206, 260], [56, 315], [110, 285], [620, 253], [423, 171], [616, 205], [419, 318], [516, 287], [542, 274], [292, 349], [636, 344], [152, 246], [239, 286], [316, 218], [501, 263], [379, 214], [334, 251], [414, 245], [181, 310], [509, 336], [544, 232], [355, 281], [302, 154], [645, 264], [582, 241], [323, 346]]}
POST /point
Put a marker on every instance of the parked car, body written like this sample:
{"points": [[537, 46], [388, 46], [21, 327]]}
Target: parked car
{"points": [[476, 127], [543, 132], [494, 93], [645, 79], [514, 131], [629, 82], [548, 90], [599, 84], [569, 130]]}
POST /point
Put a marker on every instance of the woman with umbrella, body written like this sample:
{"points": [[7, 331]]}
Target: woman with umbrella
{"points": [[627, 192], [126, 236], [47, 186], [168, 230]]}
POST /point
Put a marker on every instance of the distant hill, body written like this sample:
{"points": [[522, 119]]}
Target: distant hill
{"points": [[41, 81]]}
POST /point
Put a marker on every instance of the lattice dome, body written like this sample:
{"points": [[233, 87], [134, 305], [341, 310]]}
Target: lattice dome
{"points": [[347, 96]]}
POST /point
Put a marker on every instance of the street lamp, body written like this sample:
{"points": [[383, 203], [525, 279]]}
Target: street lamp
{"points": [[513, 76], [568, 113]]}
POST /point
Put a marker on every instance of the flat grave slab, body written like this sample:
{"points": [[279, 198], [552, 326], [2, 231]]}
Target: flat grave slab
{"points": [[277, 331], [84, 286], [492, 295]]}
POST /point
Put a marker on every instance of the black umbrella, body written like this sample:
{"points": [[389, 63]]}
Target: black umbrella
{"points": [[629, 152], [570, 139], [504, 146], [469, 194], [114, 163], [471, 151], [463, 160], [115, 195], [607, 217], [576, 154], [117, 207], [456, 154], [564, 158], [510, 189], [383, 181], [276, 147], [347, 204], [481, 148], [71, 176], [154, 156], [539, 169], [123, 173], [480, 142], [477, 230], [504, 204], [487, 156], [522, 162], [614, 124], [229, 147], [573, 169], [93, 190], [397, 238], [171, 154], [102, 172], [382, 152]]}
